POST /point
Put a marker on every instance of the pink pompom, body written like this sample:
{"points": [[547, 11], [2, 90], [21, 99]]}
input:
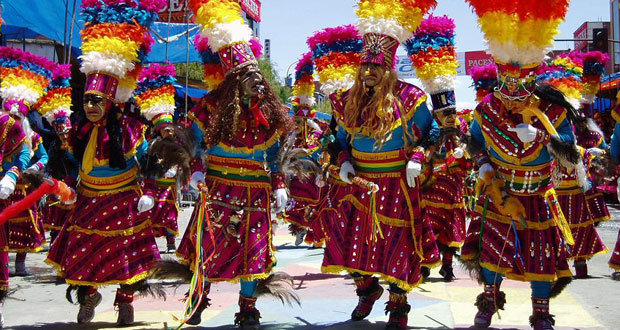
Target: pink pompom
{"points": [[201, 43], [257, 47], [436, 25], [62, 71], [305, 60], [156, 70], [487, 72], [332, 35]]}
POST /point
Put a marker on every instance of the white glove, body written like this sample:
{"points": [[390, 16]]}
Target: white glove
{"points": [[7, 186], [413, 171], [596, 152], [525, 132], [171, 173], [485, 168], [281, 199], [145, 203], [346, 170], [458, 153], [196, 178]]}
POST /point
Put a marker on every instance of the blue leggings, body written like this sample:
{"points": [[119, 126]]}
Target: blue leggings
{"points": [[247, 288], [539, 289]]}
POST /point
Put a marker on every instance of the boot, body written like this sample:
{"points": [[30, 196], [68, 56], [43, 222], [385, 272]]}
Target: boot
{"points": [[541, 319], [300, 236], [368, 290], [248, 316], [488, 303], [20, 268], [170, 247], [581, 269], [615, 276], [447, 272], [426, 272], [196, 318], [399, 310], [87, 307], [123, 301]]}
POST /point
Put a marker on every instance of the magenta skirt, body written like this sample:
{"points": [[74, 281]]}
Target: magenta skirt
{"points": [[395, 253], [443, 207], [166, 211], [536, 252], [237, 238], [105, 240], [582, 225], [597, 206], [306, 197], [614, 262], [25, 233]]}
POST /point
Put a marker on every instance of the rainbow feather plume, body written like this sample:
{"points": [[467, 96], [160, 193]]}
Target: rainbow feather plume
{"points": [[221, 22], [395, 18], [433, 54], [485, 80], [155, 93], [593, 64], [336, 53], [55, 106], [24, 77], [303, 90], [565, 74], [116, 39], [519, 31]]}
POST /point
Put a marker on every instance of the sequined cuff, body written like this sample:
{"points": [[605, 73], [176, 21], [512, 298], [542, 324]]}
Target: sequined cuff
{"points": [[417, 155]]}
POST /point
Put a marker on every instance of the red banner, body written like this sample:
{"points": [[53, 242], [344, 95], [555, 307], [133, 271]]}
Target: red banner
{"points": [[251, 8], [581, 33], [477, 58]]}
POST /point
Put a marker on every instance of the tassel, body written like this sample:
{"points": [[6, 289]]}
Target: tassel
{"points": [[91, 148]]}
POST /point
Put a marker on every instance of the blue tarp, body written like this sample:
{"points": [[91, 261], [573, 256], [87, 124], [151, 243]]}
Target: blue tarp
{"points": [[31, 18], [193, 92]]}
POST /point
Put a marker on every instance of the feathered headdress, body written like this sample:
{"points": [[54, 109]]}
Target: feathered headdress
{"points": [[519, 34], [55, 106], [226, 31], [485, 80], [433, 55], [25, 79], [114, 41], [155, 93], [564, 73], [213, 71], [593, 64], [336, 53], [303, 91], [385, 24]]}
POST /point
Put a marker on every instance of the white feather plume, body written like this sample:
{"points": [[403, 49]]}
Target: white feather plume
{"points": [[157, 109], [109, 63], [308, 100], [508, 52], [225, 34], [19, 92], [439, 84], [123, 94], [385, 26], [333, 85]]}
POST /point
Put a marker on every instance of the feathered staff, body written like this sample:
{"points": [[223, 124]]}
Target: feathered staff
{"points": [[303, 89], [484, 80], [593, 64], [336, 53]]}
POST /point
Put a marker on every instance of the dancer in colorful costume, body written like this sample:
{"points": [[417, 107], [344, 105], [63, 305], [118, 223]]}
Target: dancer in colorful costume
{"points": [[14, 158], [55, 107], [25, 80], [306, 192], [155, 98], [381, 123], [565, 73], [108, 237], [433, 55], [522, 129], [239, 124]]}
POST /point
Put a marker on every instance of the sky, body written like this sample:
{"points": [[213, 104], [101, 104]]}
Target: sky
{"points": [[288, 23]]}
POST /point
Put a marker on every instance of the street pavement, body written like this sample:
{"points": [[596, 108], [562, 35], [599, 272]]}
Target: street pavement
{"points": [[38, 302]]}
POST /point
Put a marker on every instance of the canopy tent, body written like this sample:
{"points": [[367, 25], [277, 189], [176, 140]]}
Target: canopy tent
{"points": [[29, 19]]}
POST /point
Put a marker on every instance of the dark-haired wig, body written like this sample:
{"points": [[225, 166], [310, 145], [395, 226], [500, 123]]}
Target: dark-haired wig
{"points": [[228, 103]]}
